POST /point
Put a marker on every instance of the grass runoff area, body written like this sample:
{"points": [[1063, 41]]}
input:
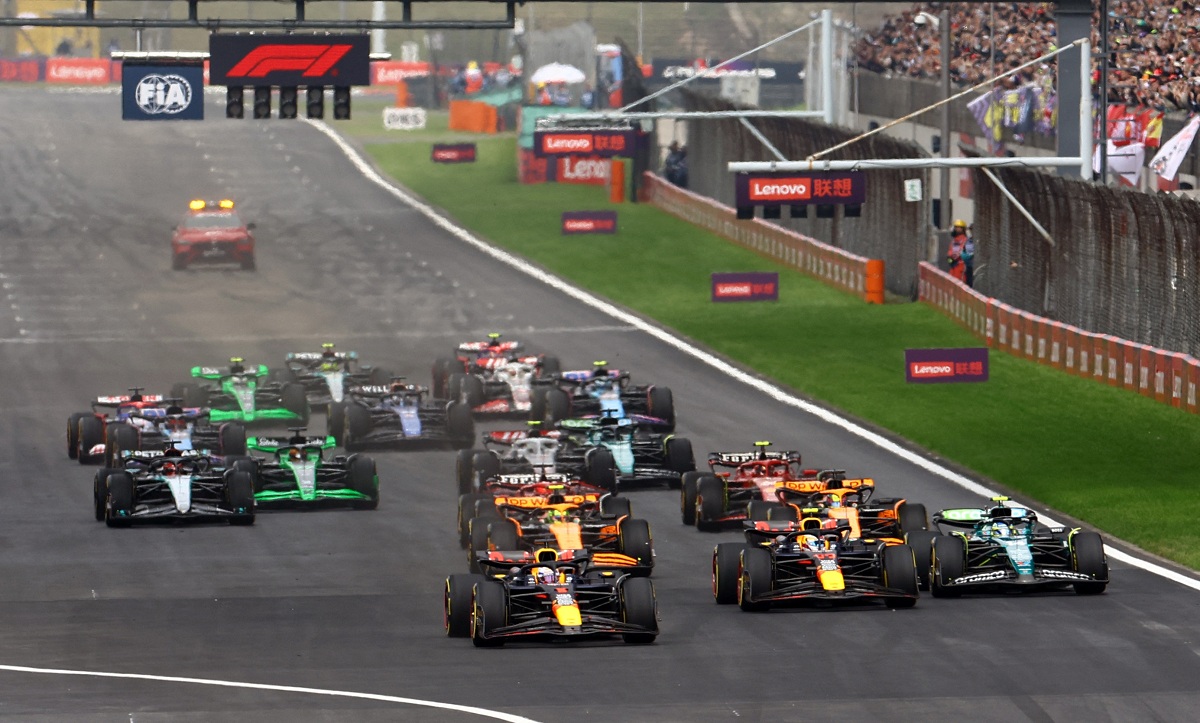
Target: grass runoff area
{"points": [[1121, 462]]}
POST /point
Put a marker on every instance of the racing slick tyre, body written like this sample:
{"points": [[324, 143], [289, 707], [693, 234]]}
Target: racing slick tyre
{"points": [[454, 386], [295, 400], [486, 466], [502, 535], [490, 612], [91, 434], [73, 434], [100, 490], [282, 375], [726, 564], [662, 405], [710, 502], [783, 513], [335, 421], [358, 426], [248, 263], [921, 543], [1087, 555], [898, 571], [687, 497], [442, 368], [120, 499], [189, 394], [638, 607], [558, 405], [600, 469], [460, 426], [179, 262], [472, 391], [949, 561], [754, 580], [380, 376], [613, 506], [537, 404], [912, 517], [247, 464], [119, 437], [466, 511], [760, 510], [464, 470], [363, 479], [680, 458], [456, 611], [233, 439], [549, 367], [634, 540], [477, 540], [239, 495]]}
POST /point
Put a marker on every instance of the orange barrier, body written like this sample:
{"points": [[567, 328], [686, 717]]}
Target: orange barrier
{"points": [[1168, 377], [874, 287], [616, 181], [472, 116], [830, 264]]}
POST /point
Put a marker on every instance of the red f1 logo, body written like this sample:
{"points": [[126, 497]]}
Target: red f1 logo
{"points": [[313, 60]]}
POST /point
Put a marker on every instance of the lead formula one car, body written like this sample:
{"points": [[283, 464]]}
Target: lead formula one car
{"points": [[299, 474], [1003, 547], [551, 597], [327, 374], [172, 485]]}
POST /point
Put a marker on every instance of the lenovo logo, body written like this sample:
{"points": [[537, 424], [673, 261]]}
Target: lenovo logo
{"points": [[780, 189], [921, 370], [311, 61], [573, 144]]}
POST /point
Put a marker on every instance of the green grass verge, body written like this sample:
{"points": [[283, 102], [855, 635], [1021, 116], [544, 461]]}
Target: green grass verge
{"points": [[1123, 463]]}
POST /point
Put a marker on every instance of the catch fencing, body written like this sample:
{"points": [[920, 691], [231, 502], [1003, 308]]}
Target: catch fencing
{"points": [[890, 228]]}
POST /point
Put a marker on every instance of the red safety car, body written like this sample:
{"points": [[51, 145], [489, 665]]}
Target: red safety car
{"points": [[212, 232]]}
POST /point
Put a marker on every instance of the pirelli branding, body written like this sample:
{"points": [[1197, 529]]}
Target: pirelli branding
{"points": [[300, 60]]}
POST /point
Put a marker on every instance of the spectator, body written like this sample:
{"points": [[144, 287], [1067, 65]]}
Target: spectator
{"points": [[543, 96], [968, 256], [560, 94], [588, 98], [675, 167], [954, 257]]}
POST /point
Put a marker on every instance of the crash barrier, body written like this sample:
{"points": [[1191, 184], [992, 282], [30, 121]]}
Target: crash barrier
{"points": [[827, 263], [473, 116], [1168, 377]]}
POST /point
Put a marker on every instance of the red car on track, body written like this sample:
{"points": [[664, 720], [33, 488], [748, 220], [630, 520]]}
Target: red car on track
{"points": [[212, 232]]}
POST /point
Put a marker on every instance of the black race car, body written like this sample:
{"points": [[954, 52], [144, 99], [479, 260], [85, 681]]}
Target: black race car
{"points": [[173, 485], [327, 374], [298, 474], [605, 392], [399, 414]]}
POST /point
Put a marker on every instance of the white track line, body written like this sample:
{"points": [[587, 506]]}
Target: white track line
{"points": [[280, 688], [719, 364]]}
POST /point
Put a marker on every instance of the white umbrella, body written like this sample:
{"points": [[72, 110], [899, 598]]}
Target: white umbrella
{"points": [[558, 73]]}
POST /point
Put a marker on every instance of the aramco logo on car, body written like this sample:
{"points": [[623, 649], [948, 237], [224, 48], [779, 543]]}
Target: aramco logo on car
{"points": [[929, 366]]}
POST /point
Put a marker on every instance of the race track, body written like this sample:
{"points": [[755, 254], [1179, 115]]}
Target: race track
{"points": [[351, 601]]}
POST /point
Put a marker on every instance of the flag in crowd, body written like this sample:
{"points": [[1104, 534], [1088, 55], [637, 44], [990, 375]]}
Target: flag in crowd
{"points": [[1168, 159], [1028, 109], [1124, 159]]}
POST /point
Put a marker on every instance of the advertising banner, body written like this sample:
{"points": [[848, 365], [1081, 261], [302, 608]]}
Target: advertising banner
{"points": [[798, 189], [933, 366], [306, 60], [162, 92], [21, 70], [579, 222], [1193, 385], [453, 153], [746, 286], [79, 71], [591, 171], [602, 143], [767, 71]]}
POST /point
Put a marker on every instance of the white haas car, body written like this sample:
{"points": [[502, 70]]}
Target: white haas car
{"points": [[500, 386]]}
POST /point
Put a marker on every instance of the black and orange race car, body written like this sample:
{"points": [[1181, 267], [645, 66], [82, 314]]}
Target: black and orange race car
{"points": [[212, 232], [481, 500], [722, 495], [812, 560], [834, 497]]}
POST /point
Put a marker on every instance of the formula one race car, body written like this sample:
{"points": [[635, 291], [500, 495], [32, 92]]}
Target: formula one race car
{"points": [[1002, 547], [159, 428], [641, 453], [238, 393], [481, 359], [399, 414], [326, 375], [540, 486], [830, 495], [795, 562], [710, 500], [212, 232], [88, 431], [604, 392], [299, 474], [552, 596], [533, 451], [598, 523], [172, 485], [505, 387]]}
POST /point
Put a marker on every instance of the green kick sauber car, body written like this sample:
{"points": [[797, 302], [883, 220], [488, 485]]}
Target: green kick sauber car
{"points": [[299, 474], [243, 394]]}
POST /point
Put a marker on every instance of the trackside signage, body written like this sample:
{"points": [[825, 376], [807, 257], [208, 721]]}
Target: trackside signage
{"points": [[306, 60], [746, 286], [797, 189], [577, 222], [453, 153], [162, 92], [601, 143], [932, 366]]}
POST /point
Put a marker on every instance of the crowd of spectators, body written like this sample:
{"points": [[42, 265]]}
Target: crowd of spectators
{"points": [[1154, 45]]}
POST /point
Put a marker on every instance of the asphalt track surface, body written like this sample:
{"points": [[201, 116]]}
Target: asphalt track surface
{"points": [[351, 601]]}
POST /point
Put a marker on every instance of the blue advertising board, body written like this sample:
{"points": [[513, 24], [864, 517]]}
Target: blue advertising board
{"points": [[162, 92]]}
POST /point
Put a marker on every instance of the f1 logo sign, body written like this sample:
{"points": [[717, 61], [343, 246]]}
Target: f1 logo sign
{"points": [[313, 61], [283, 60]]}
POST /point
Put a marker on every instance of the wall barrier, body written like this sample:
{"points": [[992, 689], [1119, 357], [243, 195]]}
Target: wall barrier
{"points": [[1167, 377], [827, 263], [473, 116]]}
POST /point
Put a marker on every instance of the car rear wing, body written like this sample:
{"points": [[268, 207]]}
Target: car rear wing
{"points": [[274, 444], [316, 356], [479, 347], [765, 531], [733, 459], [216, 373], [120, 399]]}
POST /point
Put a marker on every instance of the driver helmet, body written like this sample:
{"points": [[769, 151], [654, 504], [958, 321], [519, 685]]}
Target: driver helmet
{"points": [[176, 423], [545, 575], [295, 453], [399, 386], [169, 469], [329, 360], [1000, 529], [600, 369], [812, 542], [236, 365], [555, 515]]}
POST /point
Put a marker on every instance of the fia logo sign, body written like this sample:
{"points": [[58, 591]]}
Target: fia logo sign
{"points": [[157, 94]]}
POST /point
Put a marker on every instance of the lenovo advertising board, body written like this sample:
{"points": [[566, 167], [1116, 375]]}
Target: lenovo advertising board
{"points": [[452, 153], [933, 366], [798, 189], [600, 143], [301, 60], [162, 92], [580, 222], [746, 286]]}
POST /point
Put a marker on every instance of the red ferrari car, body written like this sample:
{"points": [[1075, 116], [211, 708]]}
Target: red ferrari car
{"points": [[211, 232]]}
